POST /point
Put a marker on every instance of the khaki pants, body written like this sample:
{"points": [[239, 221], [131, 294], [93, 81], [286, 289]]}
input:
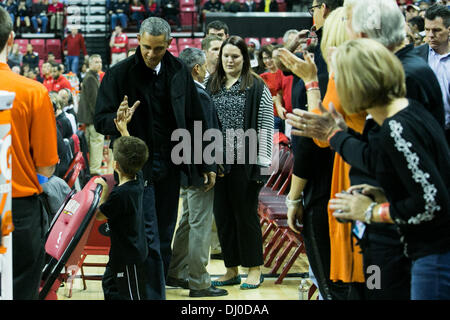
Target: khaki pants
{"points": [[95, 142], [116, 57]]}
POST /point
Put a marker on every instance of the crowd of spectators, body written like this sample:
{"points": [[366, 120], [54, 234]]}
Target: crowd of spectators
{"points": [[36, 16]]}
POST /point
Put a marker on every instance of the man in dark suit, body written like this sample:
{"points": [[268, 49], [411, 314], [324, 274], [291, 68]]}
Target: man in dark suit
{"points": [[437, 52], [190, 247], [163, 88]]}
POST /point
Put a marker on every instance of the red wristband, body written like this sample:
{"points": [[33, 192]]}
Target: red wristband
{"points": [[383, 212], [312, 85]]}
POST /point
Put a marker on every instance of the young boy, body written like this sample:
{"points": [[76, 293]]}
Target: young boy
{"points": [[123, 209]]}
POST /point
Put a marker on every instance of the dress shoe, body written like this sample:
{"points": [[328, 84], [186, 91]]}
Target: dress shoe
{"points": [[177, 283], [208, 292], [229, 282], [246, 286]]}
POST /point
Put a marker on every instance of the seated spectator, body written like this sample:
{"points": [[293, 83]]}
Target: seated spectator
{"points": [[38, 75], [59, 81], [170, 11], [23, 15], [62, 122], [46, 70], [39, 16], [66, 100], [83, 70], [153, 9], [269, 6], [15, 57], [56, 14], [11, 7], [31, 58], [137, 12], [411, 12], [25, 67], [51, 57], [417, 24], [212, 6], [16, 69], [232, 6], [118, 44], [250, 6], [119, 11]]}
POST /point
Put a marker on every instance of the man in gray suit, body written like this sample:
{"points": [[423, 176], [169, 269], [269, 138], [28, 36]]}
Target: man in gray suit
{"points": [[86, 110], [190, 253]]}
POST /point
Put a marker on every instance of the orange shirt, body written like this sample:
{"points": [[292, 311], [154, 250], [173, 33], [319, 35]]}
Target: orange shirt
{"points": [[33, 131], [346, 259]]}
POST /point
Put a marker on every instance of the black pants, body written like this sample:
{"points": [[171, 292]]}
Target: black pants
{"points": [[30, 224], [235, 211], [382, 248]]}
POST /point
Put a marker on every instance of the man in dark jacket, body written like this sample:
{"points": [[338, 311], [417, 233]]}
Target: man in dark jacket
{"points": [[163, 88], [86, 110]]}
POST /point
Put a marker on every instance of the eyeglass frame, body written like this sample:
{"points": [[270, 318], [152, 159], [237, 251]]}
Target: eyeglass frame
{"points": [[311, 9]]}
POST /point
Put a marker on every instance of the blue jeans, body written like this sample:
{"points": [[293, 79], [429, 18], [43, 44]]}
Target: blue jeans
{"points": [[44, 20], [430, 277], [72, 63], [122, 17]]}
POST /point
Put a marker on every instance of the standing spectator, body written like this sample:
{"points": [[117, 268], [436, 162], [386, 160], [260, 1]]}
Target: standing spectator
{"points": [[211, 45], [39, 16], [191, 246], [170, 12], [32, 122], [72, 45], [23, 15], [56, 14], [119, 11], [250, 6], [218, 28], [31, 58], [137, 12], [437, 53], [236, 93], [15, 57], [118, 44], [86, 110], [59, 81]]}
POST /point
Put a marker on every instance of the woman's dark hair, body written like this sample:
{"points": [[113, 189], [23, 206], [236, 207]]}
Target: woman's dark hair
{"points": [[247, 75]]}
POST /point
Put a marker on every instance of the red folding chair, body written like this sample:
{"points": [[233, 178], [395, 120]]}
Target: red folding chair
{"points": [[22, 45], [54, 46], [39, 47], [68, 235]]}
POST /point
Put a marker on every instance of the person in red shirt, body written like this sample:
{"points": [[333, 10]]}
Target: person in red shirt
{"points": [[137, 12], [72, 45], [59, 81], [118, 44], [56, 13], [273, 78], [46, 71]]}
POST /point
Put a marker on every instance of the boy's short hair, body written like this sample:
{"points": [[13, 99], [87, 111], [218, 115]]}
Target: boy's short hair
{"points": [[131, 153]]}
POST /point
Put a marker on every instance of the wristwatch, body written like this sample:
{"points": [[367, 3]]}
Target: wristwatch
{"points": [[368, 213]]}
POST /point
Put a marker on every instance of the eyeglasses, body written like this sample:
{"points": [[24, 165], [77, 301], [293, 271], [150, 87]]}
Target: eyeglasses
{"points": [[311, 9]]}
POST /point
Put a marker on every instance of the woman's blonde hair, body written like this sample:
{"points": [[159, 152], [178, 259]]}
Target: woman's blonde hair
{"points": [[367, 75], [334, 32]]}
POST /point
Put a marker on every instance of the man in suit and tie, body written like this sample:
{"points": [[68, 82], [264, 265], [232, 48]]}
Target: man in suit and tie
{"points": [[437, 52]]}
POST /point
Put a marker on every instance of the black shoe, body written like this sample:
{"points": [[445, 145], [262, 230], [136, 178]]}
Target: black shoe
{"points": [[217, 256], [177, 283], [209, 292]]}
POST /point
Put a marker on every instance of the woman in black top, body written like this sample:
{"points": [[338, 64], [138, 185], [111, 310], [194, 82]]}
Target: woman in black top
{"points": [[410, 159], [244, 108]]}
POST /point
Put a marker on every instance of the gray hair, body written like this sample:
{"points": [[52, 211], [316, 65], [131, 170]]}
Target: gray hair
{"points": [[380, 20], [155, 26], [192, 56], [287, 34]]}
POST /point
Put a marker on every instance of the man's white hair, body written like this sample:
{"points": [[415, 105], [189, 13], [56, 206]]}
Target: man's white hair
{"points": [[380, 20]]}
